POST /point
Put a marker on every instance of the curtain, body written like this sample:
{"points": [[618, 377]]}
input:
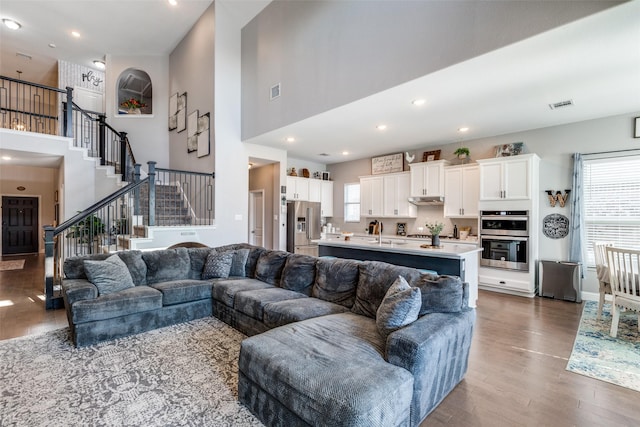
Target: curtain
{"points": [[576, 222]]}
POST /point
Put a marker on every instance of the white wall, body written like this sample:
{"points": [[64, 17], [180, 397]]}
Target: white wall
{"points": [[147, 134]]}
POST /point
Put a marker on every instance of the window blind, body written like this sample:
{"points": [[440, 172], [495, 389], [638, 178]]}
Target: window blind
{"points": [[612, 202], [352, 202]]}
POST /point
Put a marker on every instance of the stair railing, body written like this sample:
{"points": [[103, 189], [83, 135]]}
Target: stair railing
{"points": [[104, 227]]}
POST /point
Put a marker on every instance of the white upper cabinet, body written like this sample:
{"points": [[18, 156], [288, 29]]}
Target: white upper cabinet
{"points": [[326, 198], [507, 178], [427, 178], [298, 188], [461, 191], [315, 190], [397, 188], [371, 196]]}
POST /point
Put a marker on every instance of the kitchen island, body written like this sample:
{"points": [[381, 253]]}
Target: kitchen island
{"points": [[451, 259]]}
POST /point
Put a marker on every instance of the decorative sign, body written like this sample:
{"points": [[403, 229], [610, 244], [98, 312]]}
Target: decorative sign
{"points": [[387, 164], [90, 77], [558, 198], [555, 226]]}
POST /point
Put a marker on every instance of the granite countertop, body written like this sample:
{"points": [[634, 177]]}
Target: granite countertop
{"points": [[401, 245]]}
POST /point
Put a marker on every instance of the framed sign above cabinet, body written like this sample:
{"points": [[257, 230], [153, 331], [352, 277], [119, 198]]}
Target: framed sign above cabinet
{"points": [[387, 164]]}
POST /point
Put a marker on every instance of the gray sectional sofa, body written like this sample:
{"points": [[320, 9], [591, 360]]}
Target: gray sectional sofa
{"points": [[331, 341]]}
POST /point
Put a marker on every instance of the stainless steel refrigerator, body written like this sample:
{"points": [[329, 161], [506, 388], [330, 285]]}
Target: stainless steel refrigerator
{"points": [[303, 226]]}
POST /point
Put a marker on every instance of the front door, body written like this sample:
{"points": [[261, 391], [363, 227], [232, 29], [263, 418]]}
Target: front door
{"points": [[19, 225]]}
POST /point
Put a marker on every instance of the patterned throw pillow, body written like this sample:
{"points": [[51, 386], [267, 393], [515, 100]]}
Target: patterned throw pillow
{"points": [[218, 265], [109, 276], [399, 308]]}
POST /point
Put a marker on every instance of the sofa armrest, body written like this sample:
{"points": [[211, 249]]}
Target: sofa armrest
{"points": [[435, 349], [78, 290]]}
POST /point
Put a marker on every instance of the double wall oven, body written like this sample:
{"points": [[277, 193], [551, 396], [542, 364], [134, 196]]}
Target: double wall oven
{"points": [[504, 237]]}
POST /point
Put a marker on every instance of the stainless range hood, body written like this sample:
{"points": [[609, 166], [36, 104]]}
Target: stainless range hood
{"points": [[427, 200]]}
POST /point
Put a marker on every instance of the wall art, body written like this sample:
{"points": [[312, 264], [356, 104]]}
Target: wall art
{"points": [[192, 132], [173, 111], [204, 122], [181, 115], [555, 226], [387, 164], [506, 150], [429, 156]]}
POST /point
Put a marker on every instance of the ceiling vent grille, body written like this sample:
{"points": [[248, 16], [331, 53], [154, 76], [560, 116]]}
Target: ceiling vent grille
{"points": [[561, 104], [274, 92], [324, 154]]}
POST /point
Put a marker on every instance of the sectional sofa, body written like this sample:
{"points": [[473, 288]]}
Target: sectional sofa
{"points": [[331, 341]]}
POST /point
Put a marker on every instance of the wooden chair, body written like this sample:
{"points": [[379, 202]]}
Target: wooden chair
{"points": [[625, 286], [602, 271]]}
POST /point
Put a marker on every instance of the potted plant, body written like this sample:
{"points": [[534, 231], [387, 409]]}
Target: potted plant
{"points": [[133, 106], [462, 153], [435, 229], [87, 232]]}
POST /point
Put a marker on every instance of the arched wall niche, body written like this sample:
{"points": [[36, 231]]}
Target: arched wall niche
{"points": [[135, 93]]}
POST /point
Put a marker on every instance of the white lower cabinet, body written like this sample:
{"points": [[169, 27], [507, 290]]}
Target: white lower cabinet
{"points": [[507, 281]]}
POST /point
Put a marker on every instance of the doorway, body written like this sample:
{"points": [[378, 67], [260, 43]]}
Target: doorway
{"points": [[19, 225], [256, 217]]}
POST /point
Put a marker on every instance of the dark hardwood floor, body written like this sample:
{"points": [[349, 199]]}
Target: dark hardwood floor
{"points": [[516, 374]]}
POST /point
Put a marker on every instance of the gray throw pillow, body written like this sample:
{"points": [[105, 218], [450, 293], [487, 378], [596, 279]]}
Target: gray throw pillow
{"points": [[239, 262], [109, 276], [218, 266], [399, 308]]}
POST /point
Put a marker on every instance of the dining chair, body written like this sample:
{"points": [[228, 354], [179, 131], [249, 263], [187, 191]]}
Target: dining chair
{"points": [[625, 285], [602, 271]]}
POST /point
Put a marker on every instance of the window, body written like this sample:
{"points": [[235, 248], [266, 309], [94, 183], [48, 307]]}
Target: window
{"points": [[611, 201], [352, 202]]}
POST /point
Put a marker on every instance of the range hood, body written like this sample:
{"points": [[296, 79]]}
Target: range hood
{"points": [[427, 200]]}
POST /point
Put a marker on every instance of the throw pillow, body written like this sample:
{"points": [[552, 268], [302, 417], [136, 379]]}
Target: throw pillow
{"points": [[109, 276], [239, 262], [399, 308], [218, 265]]}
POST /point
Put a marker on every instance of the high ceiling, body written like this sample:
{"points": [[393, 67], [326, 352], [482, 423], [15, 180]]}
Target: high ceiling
{"points": [[595, 62]]}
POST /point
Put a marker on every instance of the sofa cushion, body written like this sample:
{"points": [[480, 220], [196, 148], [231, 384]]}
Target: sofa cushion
{"points": [[284, 312], [73, 267], [238, 262], [329, 368], [197, 259], [225, 290], [399, 308], [136, 266], [186, 290], [299, 273], [270, 265], [133, 300], [167, 265], [252, 302], [218, 265], [252, 260], [375, 279], [336, 281], [442, 294], [109, 276]]}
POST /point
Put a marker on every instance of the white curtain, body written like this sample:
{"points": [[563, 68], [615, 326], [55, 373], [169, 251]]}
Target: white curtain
{"points": [[576, 222]]}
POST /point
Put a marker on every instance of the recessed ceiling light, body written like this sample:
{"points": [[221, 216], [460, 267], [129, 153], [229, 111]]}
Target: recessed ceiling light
{"points": [[345, 153], [463, 129], [6, 158], [75, 34], [52, 45], [419, 102], [99, 64], [11, 24], [173, 2], [381, 127], [290, 139]]}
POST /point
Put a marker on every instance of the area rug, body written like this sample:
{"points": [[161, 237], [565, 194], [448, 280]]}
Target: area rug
{"points": [[598, 355], [12, 265], [180, 375]]}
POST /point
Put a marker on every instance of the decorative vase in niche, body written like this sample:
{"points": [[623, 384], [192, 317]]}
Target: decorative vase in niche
{"points": [[435, 240], [134, 111]]}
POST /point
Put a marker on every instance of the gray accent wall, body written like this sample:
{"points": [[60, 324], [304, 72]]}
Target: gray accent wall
{"points": [[191, 70], [328, 53]]}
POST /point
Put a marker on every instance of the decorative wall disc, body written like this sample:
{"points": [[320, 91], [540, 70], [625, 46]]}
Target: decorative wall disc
{"points": [[555, 226]]}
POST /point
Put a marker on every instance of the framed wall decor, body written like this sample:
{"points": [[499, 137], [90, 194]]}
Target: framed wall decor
{"points": [[192, 132], [203, 135], [429, 156], [507, 150], [387, 164], [181, 115], [173, 111]]}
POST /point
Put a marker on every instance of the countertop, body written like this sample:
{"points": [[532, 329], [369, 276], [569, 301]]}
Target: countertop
{"points": [[402, 245]]}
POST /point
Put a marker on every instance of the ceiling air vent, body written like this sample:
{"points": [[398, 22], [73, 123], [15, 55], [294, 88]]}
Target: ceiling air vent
{"points": [[561, 104], [324, 154]]}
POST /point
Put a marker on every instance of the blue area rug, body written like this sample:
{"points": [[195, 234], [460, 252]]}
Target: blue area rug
{"points": [[597, 355]]}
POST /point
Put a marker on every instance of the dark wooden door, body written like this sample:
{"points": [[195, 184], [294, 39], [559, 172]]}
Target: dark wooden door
{"points": [[19, 225]]}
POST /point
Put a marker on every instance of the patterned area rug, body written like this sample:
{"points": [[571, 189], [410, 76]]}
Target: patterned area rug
{"points": [[179, 375], [12, 265], [597, 355]]}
